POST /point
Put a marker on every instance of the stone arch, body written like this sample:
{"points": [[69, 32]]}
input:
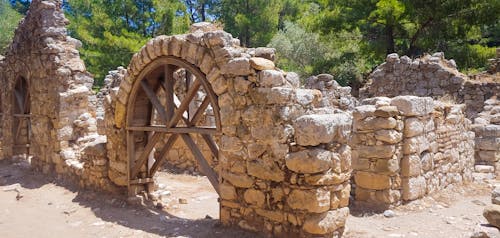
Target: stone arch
{"points": [[156, 82], [21, 113], [188, 52], [268, 137]]}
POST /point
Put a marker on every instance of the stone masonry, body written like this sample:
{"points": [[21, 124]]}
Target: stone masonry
{"points": [[287, 156], [63, 134], [407, 147]]}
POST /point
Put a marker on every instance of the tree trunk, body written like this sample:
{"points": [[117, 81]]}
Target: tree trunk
{"points": [[389, 34]]}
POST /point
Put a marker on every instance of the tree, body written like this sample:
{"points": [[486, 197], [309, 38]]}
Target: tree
{"points": [[8, 23], [112, 31], [254, 22]]}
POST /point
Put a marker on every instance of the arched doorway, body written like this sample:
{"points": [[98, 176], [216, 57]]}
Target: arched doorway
{"points": [[157, 117], [21, 126]]}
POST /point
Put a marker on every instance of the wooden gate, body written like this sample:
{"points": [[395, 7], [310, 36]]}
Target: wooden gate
{"points": [[21, 127], [157, 118]]}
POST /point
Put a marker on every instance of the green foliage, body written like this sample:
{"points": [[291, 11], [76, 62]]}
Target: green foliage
{"points": [[112, 31], [8, 23], [308, 53], [254, 22]]}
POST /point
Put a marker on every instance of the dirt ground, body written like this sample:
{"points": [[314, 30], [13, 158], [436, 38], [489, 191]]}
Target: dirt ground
{"points": [[32, 205]]}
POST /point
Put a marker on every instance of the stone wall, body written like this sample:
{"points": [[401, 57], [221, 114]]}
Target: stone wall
{"points": [[334, 95], [431, 75], [64, 137], [487, 129], [407, 147], [284, 168]]}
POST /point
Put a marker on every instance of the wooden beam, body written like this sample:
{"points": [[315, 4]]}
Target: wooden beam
{"points": [[143, 158], [211, 144], [155, 101], [20, 115], [164, 129], [199, 113], [130, 159], [205, 167], [164, 152], [185, 103], [168, 85]]}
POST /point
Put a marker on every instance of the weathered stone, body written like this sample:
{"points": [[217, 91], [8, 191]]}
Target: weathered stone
{"points": [[316, 129], [268, 172], [261, 63], [238, 180], [227, 191], [372, 180], [271, 78], [411, 166], [315, 200], [327, 222], [413, 127], [254, 197], [413, 106], [376, 151], [413, 188], [492, 215], [309, 161], [386, 111], [275, 216], [237, 66], [389, 136], [375, 123]]}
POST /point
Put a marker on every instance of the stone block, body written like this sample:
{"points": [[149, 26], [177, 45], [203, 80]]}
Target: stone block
{"points": [[327, 222], [309, 161], [375, 123], [370, 180], [386, 111], [254, 197], [227, 191], [413, 105], [413, 127], [389, 136], [259, 63], [265, 171], [411, 166], [311, 130], [312, 200], [271, 78], [238, 180], [237, 66], [376, 151], [413, 188]]}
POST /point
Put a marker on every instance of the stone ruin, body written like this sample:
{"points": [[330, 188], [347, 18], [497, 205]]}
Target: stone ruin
{"points": [[284, 159]]}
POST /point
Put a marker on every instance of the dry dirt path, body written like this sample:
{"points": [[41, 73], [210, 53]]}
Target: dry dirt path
{"points": [[50, 208]]}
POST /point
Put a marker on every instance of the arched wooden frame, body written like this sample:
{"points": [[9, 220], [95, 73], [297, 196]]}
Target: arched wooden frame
{"points": [[169, 116], [21, 114]]}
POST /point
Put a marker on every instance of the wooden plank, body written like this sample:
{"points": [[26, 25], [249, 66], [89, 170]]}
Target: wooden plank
{"points": [[168, 85], [154, 100], [211, 144], [164, 151], [130, 159], [21, 115], [142, 181], [22, 146], [185, 103], [164, 129], [199, 113], [143, 158], [205, 167]]}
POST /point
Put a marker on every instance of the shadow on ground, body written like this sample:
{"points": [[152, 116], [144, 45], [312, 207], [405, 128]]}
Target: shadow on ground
{"points": [[114, 209]]}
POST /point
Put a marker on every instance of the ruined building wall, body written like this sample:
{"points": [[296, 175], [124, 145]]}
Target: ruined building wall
{"points": [[487, 129], [284, 168], [407, 147], [430, 76], [334, 95], [63, 134]]}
